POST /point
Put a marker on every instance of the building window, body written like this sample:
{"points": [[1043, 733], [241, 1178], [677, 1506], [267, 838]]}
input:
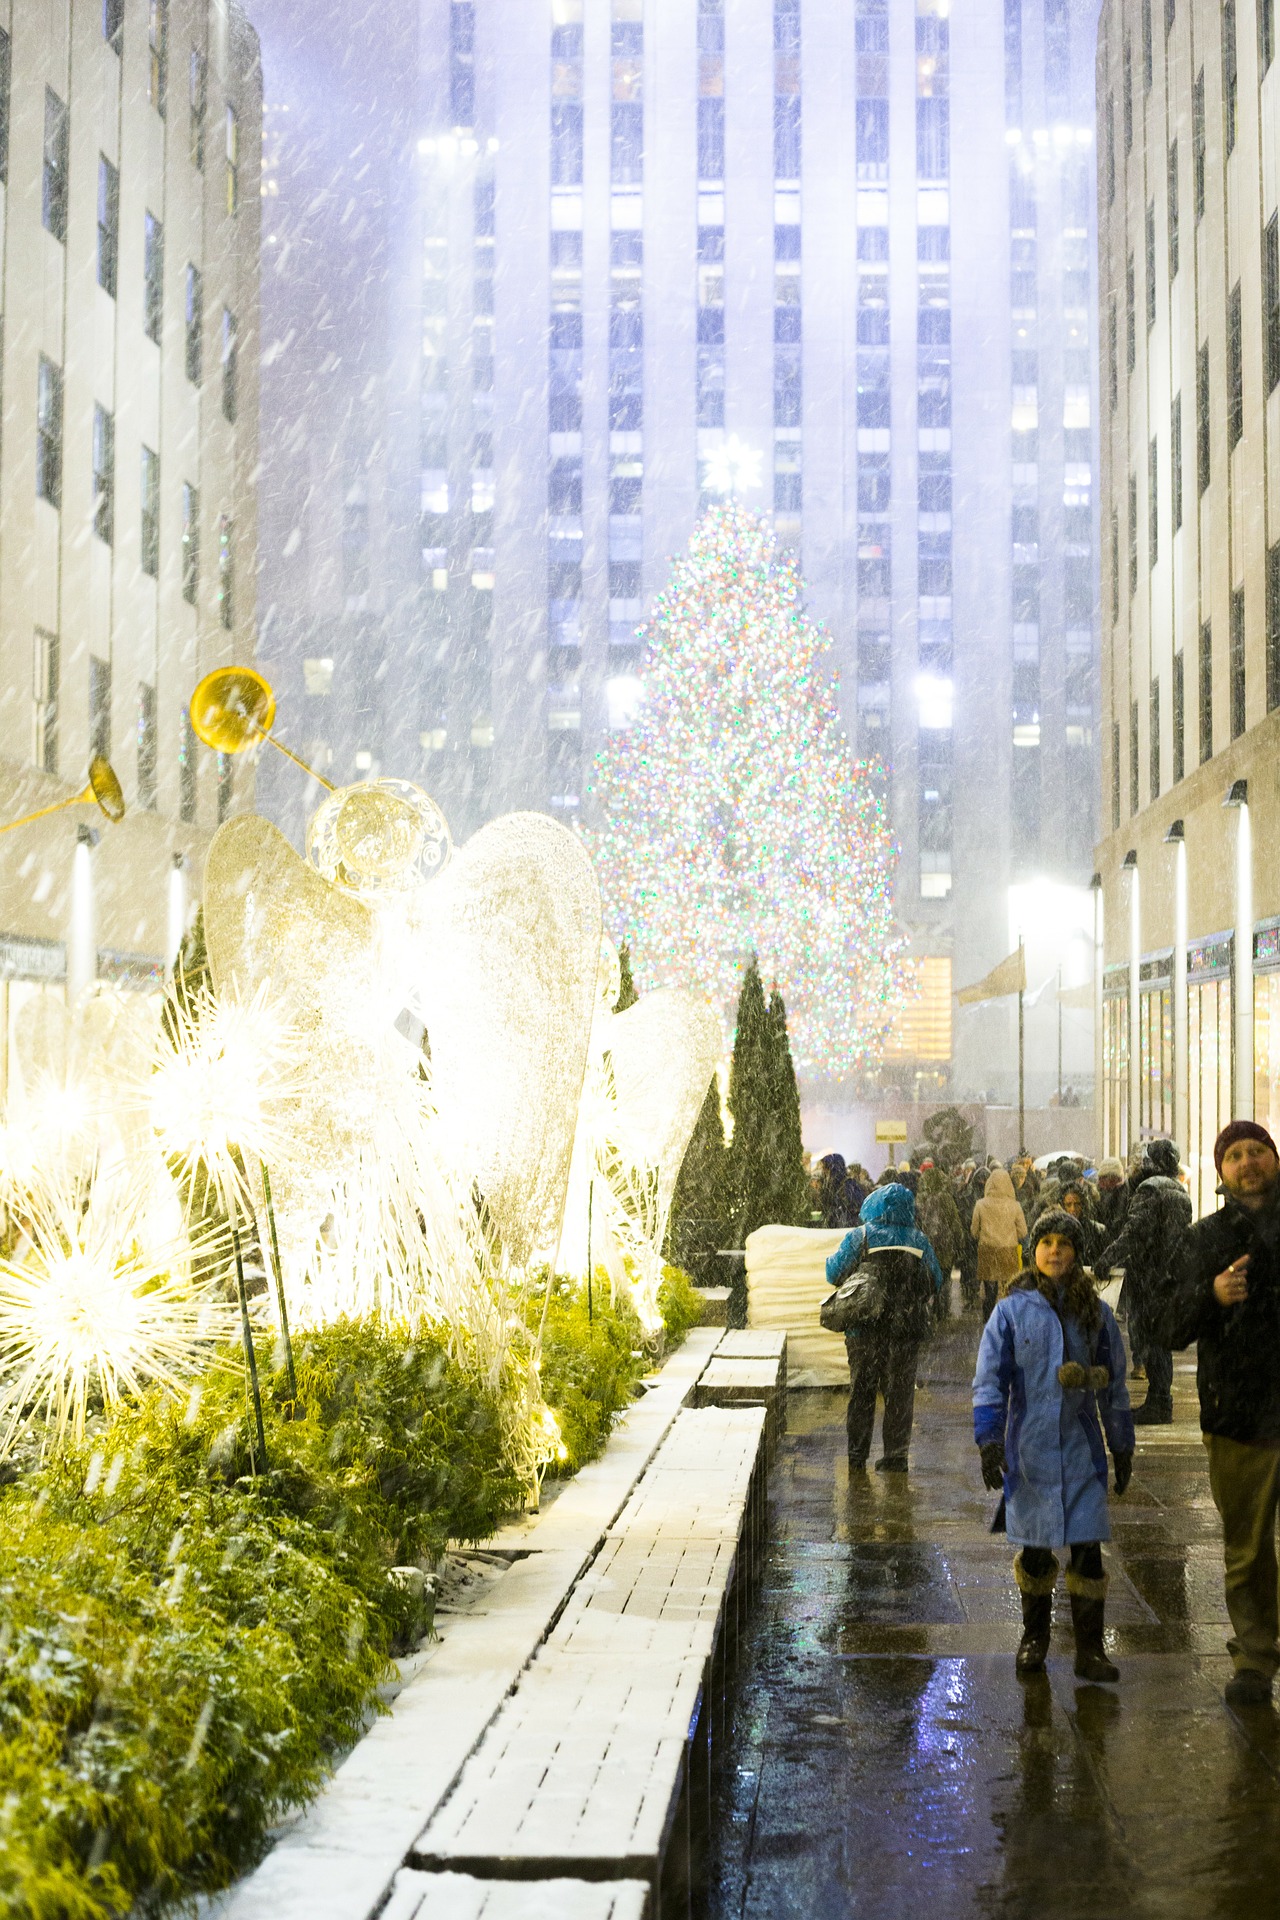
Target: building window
{"points": [[230, 356], [1202, 418], [233, 161], [1235, 371], [1237, 663], [1179, 720], [194, 316], [1126, 63], [147, 746], [1229, 73], [108, 225], [1175, 460], [53, 202], [226, 573], [1173, 210], [186, 770], [1134, 796], [99, 707], [1130, 317], [198, 101], [1153, 742], [6, 79], [150, 539], [1113, 355], [104, 474], [226, 778], [46, 676], [933, 139], [1266, 34], [1273, 627], [113, 23], [1115, 775], [1206, 691], [1133, 534], [1151, 265], [1271, 303], [1146, 46], [1115, 567], [190, 543], [462, 63], [153, 278], [1153, 504], [1109, 158], [49, 432], [1198, 140], [158, 55]]}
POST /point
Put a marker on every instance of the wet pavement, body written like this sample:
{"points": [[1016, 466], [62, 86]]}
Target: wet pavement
{"points": [[883, 1758]]}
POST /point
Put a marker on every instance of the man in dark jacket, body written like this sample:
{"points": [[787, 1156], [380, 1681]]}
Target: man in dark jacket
{"points": [[882, 1357], [1226, 1298], [1147, 1247]]}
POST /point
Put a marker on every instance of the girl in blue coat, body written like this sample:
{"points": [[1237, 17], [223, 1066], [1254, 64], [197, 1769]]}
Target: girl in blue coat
{"points": [[1050, 1382]]}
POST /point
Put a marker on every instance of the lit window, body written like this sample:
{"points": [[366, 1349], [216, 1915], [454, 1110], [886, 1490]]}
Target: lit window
{"points": [[935, 697], [318, 675], [623, 694], [364, 761]]}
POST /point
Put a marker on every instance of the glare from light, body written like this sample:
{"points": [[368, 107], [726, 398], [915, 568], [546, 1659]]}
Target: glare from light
{"points": [[934, 700], [732, 468]]}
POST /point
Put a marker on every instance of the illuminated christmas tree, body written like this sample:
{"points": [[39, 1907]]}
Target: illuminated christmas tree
{"points": [[735, 818]]}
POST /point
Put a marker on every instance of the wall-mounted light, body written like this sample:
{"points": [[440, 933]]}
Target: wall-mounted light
{"points": [[1130, 862], [1237, 794], [1176, 835]]}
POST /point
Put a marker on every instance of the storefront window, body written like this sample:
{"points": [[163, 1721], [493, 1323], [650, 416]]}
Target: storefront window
{"points": [[1266, 1050], [1155, 1062], [1209, 1050], [1115, 1073]]}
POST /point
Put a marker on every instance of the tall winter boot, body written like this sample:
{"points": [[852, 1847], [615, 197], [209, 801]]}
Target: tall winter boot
{"points": [[1088, 1611], [1036, 1590]]}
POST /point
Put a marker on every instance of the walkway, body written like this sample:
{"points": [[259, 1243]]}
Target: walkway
{"points": [[885, 1761]]}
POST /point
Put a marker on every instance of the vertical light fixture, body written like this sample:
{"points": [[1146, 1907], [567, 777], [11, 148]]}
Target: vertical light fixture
{"points": [[1237, 798], [1176, 838], [177, 908], [1133, 1130], [82, 956]]}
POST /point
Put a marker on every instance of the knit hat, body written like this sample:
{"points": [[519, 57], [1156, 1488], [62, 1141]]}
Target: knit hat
{"points": [[1058, 1220], [1162, 1157], [1240, 1130], [1111, 1168]]}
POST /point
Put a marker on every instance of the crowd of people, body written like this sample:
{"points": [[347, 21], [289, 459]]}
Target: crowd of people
{"points": [[1036, 1253]]}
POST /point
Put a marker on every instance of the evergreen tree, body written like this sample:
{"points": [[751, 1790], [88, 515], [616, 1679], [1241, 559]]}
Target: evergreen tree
{"points": [[735, 817], [627, 995], [767, 1184], [699, 1211]]}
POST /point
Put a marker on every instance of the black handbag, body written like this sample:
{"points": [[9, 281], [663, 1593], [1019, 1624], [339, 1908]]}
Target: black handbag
{"points": [[857, 1302]]}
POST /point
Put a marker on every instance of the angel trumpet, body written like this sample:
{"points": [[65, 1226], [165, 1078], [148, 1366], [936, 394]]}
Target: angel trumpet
{"points": [[232, 708], [103, 789]]}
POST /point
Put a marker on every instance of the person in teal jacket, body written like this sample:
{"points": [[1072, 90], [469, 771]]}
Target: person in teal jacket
{"points": [[1049, 1397], [882, 1357]]}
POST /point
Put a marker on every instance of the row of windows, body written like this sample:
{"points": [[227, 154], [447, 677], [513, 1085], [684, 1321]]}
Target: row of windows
{"points": [[49, 464]]}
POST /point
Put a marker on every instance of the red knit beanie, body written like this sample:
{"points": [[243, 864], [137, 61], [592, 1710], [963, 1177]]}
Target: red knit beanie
{"points": [[1240, 1130]]}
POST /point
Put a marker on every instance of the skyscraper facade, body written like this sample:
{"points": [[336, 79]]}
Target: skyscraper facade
{"points": [[129, 140], [837, 256], [1190, 331]]}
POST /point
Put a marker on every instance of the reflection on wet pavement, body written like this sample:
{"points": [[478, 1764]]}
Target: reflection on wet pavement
{"points": [[884, 1760]]}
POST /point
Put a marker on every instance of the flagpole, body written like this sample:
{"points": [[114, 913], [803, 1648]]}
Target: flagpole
{"points": [[1022, 1106]]}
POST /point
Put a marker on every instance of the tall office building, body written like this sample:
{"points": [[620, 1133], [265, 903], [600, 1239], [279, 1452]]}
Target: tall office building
{"points": [[1190, 328], [848, 245], [129, 140]]}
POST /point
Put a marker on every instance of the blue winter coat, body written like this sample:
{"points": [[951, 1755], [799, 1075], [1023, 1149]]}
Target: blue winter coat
{"points": [[888, 1220], [1055, 1480]]}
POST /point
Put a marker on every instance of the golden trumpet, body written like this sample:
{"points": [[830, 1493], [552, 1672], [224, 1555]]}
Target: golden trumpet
{"points": [[103, 789], [232, 708]]}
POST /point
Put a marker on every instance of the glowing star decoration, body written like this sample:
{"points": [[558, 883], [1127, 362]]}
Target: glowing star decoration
{"points": [[732, 468], [648, 1075], [219, 1095], [506, 978], [91, 1308], [736, 819]]}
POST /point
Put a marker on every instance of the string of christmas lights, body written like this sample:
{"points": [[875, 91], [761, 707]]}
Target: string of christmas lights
{"points": [[736, 818]]}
